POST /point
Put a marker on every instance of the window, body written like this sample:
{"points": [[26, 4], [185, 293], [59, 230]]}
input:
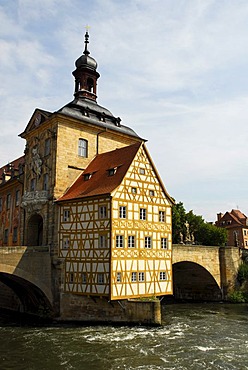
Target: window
{"points": [[90, 84], [142, 214], [8, 201], [66, 242], [112, 171], [161, 216], [32, 185], [47, 146], [1, 204], [131, 241], [134, 276], [122, 212], [118, 277], [162, 275], [15, 235], [100, 278], [119, 241], [142, 171], [141, 276], [134, 190], [17, 198], [163, 243], [87, 176], [45, 181], [148, 242], [151, 193], [103, 241], [66, 215], [84, 278], [6, 236], [102, 212], [71, 277], [83, 148], [245, 233]]}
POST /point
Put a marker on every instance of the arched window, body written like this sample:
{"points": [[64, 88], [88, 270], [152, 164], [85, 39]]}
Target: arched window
{"points": [[90, 84], [83, 148]]}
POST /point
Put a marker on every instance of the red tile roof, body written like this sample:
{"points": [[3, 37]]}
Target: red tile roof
{"points": [[15, 163], [101, 182]]}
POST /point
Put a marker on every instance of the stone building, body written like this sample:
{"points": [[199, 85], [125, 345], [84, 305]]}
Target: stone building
{"points": [[236, 224], [87, 189]]}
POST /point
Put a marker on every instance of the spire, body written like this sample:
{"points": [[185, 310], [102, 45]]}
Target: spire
{"points": [[85, 73], [86, 41]]}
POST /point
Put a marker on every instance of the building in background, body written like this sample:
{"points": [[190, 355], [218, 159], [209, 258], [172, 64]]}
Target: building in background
{"points": [[236, 224]]}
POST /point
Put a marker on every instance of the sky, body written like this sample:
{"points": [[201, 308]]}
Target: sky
{"points": [[175, 71]]}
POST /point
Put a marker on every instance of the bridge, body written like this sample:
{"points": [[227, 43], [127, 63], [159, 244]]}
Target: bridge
{"points": [[27, 282], [204, 273]]}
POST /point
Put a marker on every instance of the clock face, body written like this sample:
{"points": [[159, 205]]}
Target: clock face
{"points": [[37, 120]]}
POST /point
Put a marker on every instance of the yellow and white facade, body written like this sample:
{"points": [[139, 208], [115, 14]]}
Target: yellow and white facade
{"points": [[119, 245]]}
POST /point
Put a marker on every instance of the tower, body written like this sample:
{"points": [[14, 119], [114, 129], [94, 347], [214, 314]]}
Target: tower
{"points": [[85, 74]]}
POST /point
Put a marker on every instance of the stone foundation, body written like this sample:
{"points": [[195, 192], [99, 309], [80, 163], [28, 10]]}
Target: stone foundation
{"points": [[100, 310]]}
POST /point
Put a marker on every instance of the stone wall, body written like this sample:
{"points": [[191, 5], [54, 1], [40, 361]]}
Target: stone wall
{"points": [[95, 309]]}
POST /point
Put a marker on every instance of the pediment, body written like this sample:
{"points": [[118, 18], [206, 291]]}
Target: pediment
{"points": [[37, 119]]}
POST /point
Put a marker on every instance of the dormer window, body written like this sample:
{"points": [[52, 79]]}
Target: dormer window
{"points": [[112, 171], [87, 176]]}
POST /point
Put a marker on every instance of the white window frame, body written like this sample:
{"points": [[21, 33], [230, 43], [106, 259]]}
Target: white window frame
{"points": [[143, 214], [141, 276], [118, 277], [161, 216], [83, 148], [162, 275], [66, 215], [119, 241], [100, 278], [133, 277], [164, 243], [123, 212], [103, 212], [148, 242], [131, 241]]}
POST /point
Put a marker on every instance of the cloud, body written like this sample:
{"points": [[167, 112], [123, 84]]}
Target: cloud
{"points": [[174, 71]]}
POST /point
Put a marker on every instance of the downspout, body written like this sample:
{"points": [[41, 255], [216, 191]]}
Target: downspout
{"points": [[97, 139]]}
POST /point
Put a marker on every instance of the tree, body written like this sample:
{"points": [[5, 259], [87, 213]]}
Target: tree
{"points": [[178, 222], [201, 232]]}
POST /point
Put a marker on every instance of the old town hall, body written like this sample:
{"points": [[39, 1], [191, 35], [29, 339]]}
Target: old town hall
{"points": [[87, 189]]}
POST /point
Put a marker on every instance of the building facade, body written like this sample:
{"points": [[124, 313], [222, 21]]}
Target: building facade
{"points": [[236, 224], [89, 190]]}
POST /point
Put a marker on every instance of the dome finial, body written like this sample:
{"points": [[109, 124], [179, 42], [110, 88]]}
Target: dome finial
{"points": [[86, 41]]}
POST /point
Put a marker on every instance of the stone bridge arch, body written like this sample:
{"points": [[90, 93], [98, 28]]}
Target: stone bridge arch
{"points": [[27, 273], [212, 268]]}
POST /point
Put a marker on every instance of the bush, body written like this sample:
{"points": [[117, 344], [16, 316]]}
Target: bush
{"points": [[238, 296], [242, 273]]}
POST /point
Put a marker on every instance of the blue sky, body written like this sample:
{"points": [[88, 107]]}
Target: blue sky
{"points": [[173, 70]]}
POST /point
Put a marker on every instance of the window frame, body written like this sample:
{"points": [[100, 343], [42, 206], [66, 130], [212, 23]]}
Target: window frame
{"points": [[161, 216], [119, 241], [83, 148], [164, 242], [162, 276], [141, 276], [131, 241], [47, 147], [102, 212], [66, 215], [122, 212], [148, 242], [143, 214]]}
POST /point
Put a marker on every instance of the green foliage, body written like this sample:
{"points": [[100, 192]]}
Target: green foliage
{"points": [[238, 296], [242, 273], [208, 234], [178, 222], [203, 232]]}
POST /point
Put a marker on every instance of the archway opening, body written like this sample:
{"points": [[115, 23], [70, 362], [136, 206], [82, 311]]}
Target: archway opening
{"points": [[192, 282], [35, 231], [18, 295]]}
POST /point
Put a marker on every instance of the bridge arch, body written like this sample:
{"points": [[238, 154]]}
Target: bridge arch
{"points": [[25, 296], [193, 282]]}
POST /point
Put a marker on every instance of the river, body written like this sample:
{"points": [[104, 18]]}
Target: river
{"points": [[193, 336]]}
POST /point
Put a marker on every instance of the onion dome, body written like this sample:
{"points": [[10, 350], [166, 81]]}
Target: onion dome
{"points": [[85, 60]]}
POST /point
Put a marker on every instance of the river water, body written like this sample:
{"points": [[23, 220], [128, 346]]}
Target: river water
{"points": [[193, 336]]}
